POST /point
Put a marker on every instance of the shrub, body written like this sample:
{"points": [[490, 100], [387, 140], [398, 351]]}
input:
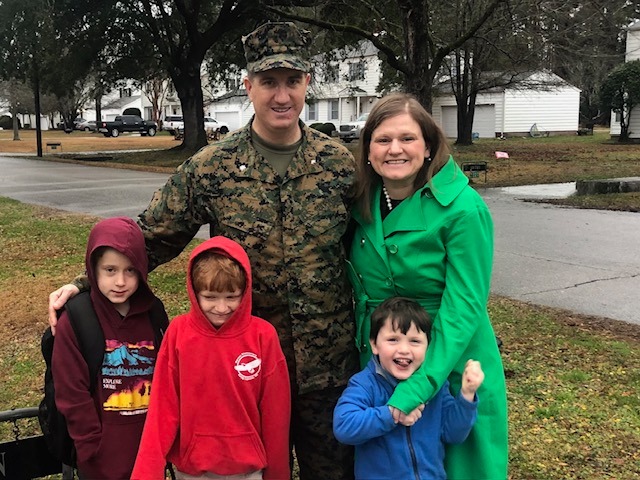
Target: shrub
{"points": [[6, 122], [132, 111], [326, 128]]}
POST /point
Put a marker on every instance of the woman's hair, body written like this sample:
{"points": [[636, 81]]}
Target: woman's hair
{"points": [[216, 272], [403, 313], [387, 107]]}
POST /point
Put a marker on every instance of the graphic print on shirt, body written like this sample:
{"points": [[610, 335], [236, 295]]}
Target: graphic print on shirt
{"points": [[248, 365], [127, 370]]}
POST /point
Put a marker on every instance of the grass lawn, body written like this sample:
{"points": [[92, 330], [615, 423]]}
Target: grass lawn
{"points": [[573, 381]]}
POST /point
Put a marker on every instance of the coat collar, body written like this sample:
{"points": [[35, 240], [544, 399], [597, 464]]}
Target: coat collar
{"points": [[444, 187]]}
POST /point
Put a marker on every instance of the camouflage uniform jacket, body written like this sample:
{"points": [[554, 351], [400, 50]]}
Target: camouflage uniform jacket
{"points": [[291, 228]]}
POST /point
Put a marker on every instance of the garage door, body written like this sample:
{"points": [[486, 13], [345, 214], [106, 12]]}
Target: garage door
{"points": [[231, 118], [484, 121]]}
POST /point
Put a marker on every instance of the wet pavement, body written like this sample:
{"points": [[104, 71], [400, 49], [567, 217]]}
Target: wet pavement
{"points": [[587, 261]]}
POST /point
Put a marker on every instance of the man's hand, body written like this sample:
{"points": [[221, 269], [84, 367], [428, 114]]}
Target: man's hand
{"points": [[57, 300], [472, 378], [406, 419]]}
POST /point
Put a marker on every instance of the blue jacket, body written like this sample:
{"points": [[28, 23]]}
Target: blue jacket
{"points": [[385, 450]]}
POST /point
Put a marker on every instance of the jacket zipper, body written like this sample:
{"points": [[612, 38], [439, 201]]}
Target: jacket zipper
{"points": [[412, 452]]}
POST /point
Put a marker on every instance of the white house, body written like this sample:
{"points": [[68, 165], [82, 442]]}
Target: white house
{"points": [[345, 87], [540, 98], [632, 53]]}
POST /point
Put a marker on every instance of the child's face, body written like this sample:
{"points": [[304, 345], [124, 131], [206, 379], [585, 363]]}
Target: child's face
{"points": [[117, 278], [219, 306], [400, 354]]}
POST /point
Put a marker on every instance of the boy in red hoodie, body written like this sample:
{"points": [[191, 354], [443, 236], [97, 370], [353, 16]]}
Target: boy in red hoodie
{"points": [[221, 393], [106, 424]]}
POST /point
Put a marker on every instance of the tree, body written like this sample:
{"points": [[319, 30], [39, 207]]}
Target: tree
{"points": [[413, 36], [621, 93]]}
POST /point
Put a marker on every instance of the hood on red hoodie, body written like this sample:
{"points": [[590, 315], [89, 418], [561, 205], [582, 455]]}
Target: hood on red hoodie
{"points": [[233, 250], [124, 235]]}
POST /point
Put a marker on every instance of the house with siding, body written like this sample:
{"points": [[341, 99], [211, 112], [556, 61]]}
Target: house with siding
{"points": [[541, 98], [632, 52], [344, 86]]}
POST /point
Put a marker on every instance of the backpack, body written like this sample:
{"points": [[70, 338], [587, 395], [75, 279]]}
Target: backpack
{"points": [[91, 340]]}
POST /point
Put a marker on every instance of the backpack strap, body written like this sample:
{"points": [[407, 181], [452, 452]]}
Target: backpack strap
{"points": [[159, 321], [89, 334]]}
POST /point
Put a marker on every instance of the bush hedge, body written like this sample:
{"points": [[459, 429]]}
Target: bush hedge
{"points": [[6, 122]]}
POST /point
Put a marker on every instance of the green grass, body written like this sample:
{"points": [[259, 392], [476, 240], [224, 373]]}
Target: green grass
{"points": [[572, 382]]}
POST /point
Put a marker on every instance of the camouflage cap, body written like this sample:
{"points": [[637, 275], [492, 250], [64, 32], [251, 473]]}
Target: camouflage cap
{"points": [[277, 45]]}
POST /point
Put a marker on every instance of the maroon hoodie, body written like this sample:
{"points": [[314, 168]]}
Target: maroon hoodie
{"points": [[106, 425]]}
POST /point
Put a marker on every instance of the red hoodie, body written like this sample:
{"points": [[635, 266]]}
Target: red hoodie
{"points": [[106, 426], [221, 401]]}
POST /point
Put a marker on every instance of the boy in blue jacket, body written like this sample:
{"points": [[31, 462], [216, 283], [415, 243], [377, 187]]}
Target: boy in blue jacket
{"points": [[400, 333]]}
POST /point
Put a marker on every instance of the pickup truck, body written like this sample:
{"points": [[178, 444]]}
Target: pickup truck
{"points": [[128, 123]]}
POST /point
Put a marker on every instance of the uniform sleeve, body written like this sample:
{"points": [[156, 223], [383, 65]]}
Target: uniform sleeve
{"points": [[458, 416], [356, 419], [275, 412], [72, 394], [469, 246], [163, 416], [173, 218]]}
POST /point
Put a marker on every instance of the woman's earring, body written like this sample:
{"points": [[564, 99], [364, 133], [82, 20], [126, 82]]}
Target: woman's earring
{"points": [[428, 159], [368, 162]]}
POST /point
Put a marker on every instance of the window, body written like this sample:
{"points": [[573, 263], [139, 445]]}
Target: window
{"points": [[232, 83], [356, 71], [312, 111], [125, 92], [331, 73], [334, 109]]}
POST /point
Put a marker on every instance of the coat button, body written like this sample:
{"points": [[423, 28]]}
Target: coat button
{"points": [[393, 249], [389, 282]]}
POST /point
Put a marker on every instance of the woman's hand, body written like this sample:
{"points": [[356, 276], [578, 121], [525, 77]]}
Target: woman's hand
{"points": [[406, 419]]}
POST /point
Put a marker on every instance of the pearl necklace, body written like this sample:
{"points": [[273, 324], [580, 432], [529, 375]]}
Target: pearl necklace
{"points": [[387, 198]]}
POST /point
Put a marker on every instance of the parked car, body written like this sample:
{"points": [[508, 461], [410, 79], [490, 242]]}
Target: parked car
{"points": [[87, 126], [213, 124], [172, 123], [351, 131], [128, 123]]}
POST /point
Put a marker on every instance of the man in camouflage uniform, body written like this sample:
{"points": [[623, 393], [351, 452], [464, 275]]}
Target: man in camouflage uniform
{"points": [[280, 189]]}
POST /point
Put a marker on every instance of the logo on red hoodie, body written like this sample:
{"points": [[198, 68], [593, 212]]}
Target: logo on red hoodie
{"points": [[248, 365]]}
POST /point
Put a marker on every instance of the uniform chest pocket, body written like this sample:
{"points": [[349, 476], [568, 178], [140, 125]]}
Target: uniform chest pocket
{"points": [[323, 215], [244, 227]]}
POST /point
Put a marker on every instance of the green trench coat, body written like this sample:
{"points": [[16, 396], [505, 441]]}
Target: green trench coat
{"points": [[436, 247]]}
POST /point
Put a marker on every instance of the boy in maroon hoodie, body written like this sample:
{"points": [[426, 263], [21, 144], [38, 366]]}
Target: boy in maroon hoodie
{"points": [[221, 393], [106, 424]]}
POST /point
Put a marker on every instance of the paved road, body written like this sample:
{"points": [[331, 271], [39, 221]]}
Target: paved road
{"points": [[587, 261]]}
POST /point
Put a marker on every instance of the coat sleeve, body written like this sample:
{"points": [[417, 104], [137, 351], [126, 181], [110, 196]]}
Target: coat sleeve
{"points": [[458, 416], [72, 396], [275, 415], [172, 218], [163, 416], [356, 419], [469, 247]]}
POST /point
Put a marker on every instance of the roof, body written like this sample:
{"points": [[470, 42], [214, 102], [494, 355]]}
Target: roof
{"points": [[122, 102]]}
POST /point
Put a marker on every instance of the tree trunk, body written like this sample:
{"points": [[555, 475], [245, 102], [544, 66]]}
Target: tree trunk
{"points": [[419, 80], [189, 89], [98, 100], [16, 130], [36, 99]]}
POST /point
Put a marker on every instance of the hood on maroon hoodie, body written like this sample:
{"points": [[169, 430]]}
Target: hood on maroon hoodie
{"points": [[124, 235], [233, 250]]}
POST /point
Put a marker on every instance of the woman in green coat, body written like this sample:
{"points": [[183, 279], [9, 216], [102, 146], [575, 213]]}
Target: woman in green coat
{"points": [[422, 232]]}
